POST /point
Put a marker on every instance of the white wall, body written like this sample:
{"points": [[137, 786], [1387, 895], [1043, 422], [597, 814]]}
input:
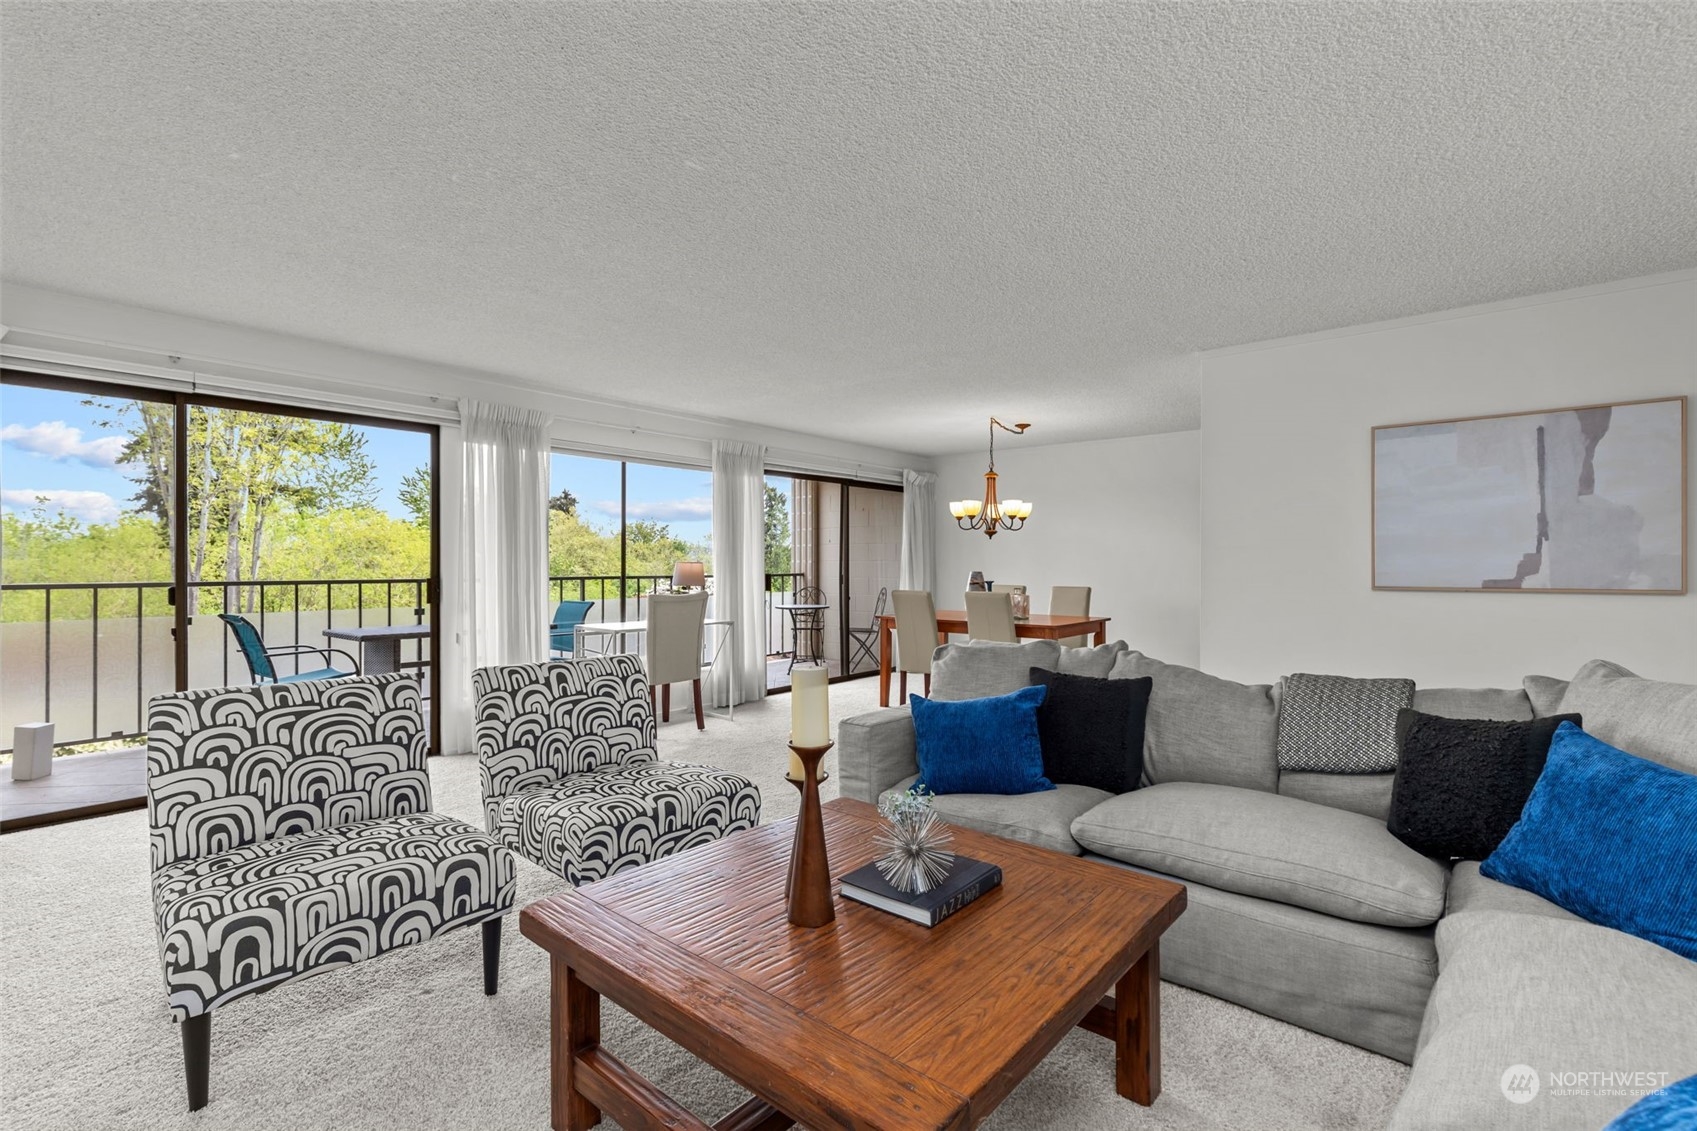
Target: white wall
{"points": [[1286, 495], [1120, 516]]}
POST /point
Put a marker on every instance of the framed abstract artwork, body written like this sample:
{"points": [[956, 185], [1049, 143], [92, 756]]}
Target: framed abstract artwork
{"points": [[1571, 500]]}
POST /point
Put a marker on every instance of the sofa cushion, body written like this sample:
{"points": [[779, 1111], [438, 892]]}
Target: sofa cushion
{"points": [[1544, 692], [1645, 717], [589, 826], [1095, 662], [1092, 730], [1673, 1108], [238, 922], [1357, 982], [1043, 819], [1461, 783], [1470, 891], [1271, 847], [1473, 703], [1358, 793], [1205, 729], [976, 669], [987, 745], [1610, 837], [1339, 724], [1556, 996]]}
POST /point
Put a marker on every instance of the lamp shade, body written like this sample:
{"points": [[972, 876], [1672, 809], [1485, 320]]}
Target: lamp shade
{"points": [[689, 575]]}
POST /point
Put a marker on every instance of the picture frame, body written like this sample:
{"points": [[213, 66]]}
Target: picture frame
{"points": [[1582, 499]]}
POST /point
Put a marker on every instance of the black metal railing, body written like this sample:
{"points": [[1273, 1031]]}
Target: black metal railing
{"points": [[88, 655]]}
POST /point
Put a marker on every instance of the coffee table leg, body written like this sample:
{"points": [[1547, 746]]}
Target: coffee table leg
{"points": [[576, 1025], [1137, 1029]]}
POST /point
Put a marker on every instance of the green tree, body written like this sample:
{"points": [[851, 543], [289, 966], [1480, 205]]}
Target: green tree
{"points": [[415, 495], [565, 503], [244, 469], [777, 531]]}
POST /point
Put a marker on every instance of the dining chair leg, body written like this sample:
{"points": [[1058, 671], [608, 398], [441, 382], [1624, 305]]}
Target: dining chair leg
{"points": [[927, 685], [491, 955], [666, 703], [903, 701], [197, 1057], [700, 718]]}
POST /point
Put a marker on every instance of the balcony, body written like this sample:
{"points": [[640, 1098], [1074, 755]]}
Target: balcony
{"points": [[88, 657]]}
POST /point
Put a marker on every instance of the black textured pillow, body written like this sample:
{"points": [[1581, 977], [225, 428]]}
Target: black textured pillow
{"points": [[1091, 729], [1461, 783]]}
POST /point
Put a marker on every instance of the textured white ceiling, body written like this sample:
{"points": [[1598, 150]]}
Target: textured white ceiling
{"points": [[876, 221]]}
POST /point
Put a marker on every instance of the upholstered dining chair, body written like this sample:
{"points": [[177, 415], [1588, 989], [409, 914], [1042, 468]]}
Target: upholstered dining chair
{"points": [[562, 630], [290, 831], [989, 616], [571, 777], [863, 642], [916, 635], [260, 665], [1070, 601], [675, 629]]}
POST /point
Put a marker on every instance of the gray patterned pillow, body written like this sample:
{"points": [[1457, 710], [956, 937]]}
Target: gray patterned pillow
{"points": [[1338, 725]]}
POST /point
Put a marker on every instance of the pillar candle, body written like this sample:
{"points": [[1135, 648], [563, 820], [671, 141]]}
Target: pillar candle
{"points": [[810, 711]]}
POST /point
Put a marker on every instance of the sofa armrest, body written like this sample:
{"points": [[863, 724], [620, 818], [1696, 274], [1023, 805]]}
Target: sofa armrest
{"points": [[875, 751]]}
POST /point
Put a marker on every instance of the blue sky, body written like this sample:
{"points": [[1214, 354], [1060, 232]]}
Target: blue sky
{"points": [[52, 444], [680, 497]]}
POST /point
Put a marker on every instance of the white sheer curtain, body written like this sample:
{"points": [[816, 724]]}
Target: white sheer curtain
{"points": [[498, 608], [919, 530], [739, 566]]}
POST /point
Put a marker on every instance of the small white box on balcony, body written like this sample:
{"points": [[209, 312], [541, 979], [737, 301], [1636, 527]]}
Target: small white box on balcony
{"points": [[32, 751]]}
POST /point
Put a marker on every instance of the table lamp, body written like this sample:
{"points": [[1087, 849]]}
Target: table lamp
{"points": [[688, 576]]}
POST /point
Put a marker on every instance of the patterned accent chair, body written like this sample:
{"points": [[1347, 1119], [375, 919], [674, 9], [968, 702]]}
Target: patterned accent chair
{"points": [[291, 833], [570, 776]]}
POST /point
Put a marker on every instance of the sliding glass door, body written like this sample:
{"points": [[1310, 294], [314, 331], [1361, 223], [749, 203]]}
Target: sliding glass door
{"points": [[839, 543], [139, 524]]}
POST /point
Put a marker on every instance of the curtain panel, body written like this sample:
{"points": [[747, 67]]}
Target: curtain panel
{"points": [[919, 530], [739, 567], [498, 611]]}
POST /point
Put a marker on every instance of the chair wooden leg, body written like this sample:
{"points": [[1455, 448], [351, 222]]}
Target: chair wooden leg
{"points": [[700, 718], [197, 1057], [666, 703], [491, 956], [927, 685], [903, 701]]}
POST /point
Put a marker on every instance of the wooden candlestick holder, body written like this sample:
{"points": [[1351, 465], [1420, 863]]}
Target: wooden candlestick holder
{"points": [[809, 889]]}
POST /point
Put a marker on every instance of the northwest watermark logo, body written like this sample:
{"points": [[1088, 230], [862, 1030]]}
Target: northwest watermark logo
{"points": [[1520, 1083]]}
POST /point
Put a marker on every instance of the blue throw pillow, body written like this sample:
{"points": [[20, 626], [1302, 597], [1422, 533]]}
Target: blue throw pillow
{"points": [[1673, 1108], [1612, 838], [981, 745]]}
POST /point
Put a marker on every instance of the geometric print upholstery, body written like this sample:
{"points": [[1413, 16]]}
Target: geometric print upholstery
{"points": [[589, 826], [235, 766], [264, 913], [1338, 724], [570, 776], [540, 723]]}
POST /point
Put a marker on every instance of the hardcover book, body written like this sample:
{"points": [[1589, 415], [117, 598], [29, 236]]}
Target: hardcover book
{"points": [[966, 881]]}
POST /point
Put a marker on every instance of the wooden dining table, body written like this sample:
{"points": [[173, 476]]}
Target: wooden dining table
{"points": [[1038, 626]]}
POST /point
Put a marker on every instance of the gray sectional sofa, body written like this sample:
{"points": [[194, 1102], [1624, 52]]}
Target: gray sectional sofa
{"points": [[1303, 906]]}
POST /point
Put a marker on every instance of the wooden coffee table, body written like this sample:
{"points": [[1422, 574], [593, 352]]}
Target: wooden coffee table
{"points": [[870, 1021]]}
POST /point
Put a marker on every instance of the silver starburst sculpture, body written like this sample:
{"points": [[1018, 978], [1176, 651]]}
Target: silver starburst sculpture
{"points": [[917, 856]]}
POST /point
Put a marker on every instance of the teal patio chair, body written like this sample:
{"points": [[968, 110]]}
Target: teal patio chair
{"points": [[562, 635], [258, 656]]}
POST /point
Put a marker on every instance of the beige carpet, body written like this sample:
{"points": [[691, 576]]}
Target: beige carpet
{"points": [[409, 1040]]}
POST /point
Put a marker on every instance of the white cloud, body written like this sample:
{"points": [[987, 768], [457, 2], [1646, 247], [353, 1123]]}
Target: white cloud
{"points": [[660, 510], [85, 506], [57, 440]]}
